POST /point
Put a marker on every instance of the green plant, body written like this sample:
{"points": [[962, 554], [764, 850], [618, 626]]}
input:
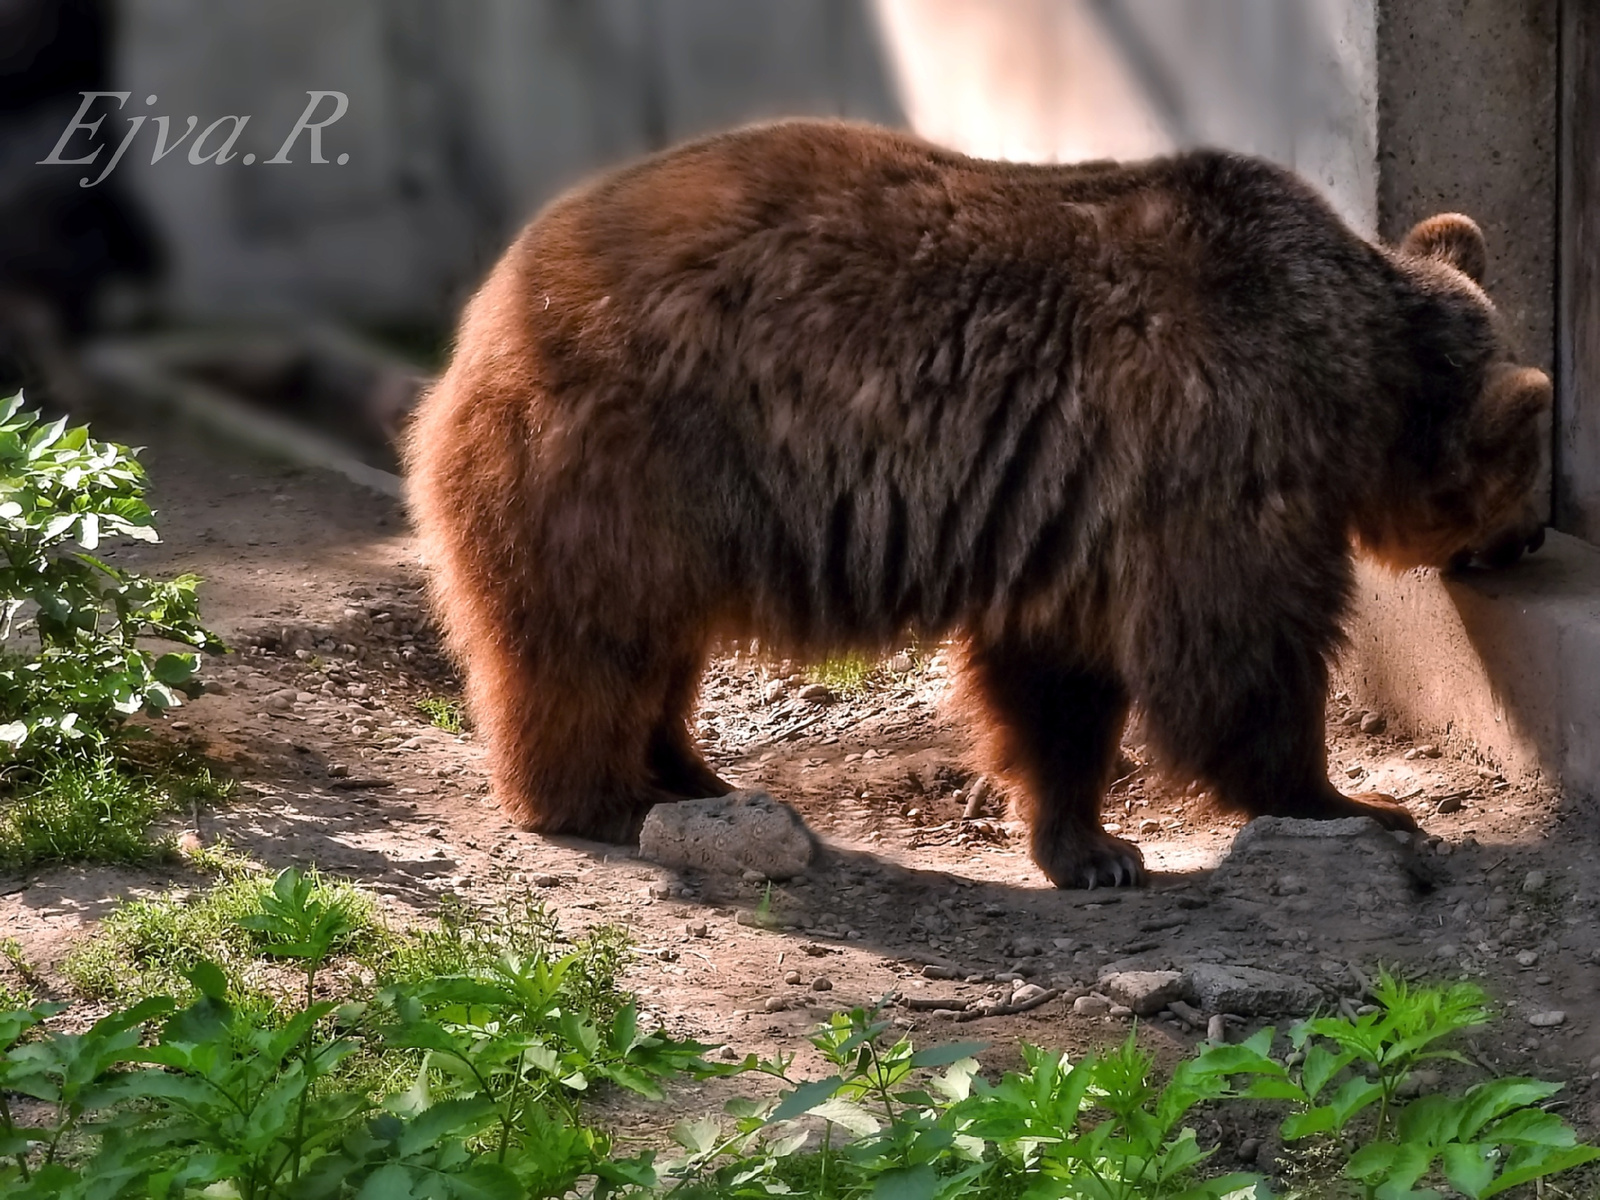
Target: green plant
{"points": [[1491, 1138], [446, 714], [83, 673], [230, 1102]]}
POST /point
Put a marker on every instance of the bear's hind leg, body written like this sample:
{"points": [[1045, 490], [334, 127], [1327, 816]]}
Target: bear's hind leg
{"points": [[1053, 728], [569, 734], [1253, 726], [675, 763]]}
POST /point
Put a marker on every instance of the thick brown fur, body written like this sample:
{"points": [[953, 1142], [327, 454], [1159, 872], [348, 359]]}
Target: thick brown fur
{"points": [[1116, 426]]}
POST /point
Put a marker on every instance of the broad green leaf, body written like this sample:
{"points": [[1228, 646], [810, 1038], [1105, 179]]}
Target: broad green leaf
{"points": [[907, 1183], [848, 1115], [940, 1056], [1538, 1162], [805, 1098], [1469, 1168]]}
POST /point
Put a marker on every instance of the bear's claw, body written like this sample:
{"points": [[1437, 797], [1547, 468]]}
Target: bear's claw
{"points": [[1092, 861]]}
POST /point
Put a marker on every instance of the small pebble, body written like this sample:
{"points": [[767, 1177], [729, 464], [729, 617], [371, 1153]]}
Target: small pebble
{"points": [[1090, 1005], [1149, 826], [1373, 723], [1527, 958], [1121, 1011], [931, 971], [792, 977], [1541, 979], [822, 984], [545, 881], [1534, 881], [338, 771], [816, 693], [1027, 992], [774, 691], [750, 876], [696, 928], [1547, 1020], [1248, 1149], [1446, 950], [728, 1054], [1217, 1029], [775, 1004], [1450, 804], [1355, 772]]}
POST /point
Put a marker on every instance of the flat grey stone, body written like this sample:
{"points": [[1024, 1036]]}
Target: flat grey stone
{"points": [[1247, 991], [1145, 992], [728, 835]]}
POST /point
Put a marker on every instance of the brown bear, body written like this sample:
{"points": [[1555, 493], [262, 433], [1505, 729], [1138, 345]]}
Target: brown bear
{"points": [[1116, 427]]}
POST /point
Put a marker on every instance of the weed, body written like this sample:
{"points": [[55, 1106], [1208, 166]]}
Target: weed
{"points": [[148, 947], [445, 714], [468, 941]]}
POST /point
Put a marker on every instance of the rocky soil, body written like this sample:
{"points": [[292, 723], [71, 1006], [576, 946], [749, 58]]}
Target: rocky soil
{"points": [[317, 584]]}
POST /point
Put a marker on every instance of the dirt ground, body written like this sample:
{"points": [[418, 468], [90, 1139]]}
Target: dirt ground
{"points": [[317, 584]]}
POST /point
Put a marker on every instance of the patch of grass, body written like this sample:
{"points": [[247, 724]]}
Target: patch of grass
{"points": [[97, 809], [82, 811], [845, 674], [147, 947], [19, 979], [444, 713], [222, 860]]}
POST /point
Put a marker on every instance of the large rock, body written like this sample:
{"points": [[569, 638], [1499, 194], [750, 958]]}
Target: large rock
{"points": [[1248, 992], [742, 831], [1351, 867]]}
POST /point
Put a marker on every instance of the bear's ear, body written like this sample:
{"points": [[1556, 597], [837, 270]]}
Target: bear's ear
{"points": [[1450, 238], [1512, 398]]}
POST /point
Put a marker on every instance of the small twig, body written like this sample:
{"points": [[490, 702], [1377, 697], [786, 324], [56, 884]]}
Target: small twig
{"points": [[798, 727], [1187, 1013], [1009, 1010], [934, 1003]]}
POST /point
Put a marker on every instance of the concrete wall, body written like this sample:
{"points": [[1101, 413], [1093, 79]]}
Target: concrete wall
{"points": [[1064, 80], [464, 116], [1467, 122]]}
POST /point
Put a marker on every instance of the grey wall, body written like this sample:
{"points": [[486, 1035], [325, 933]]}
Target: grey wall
{"points": [[1467, 121], [464, 116]]}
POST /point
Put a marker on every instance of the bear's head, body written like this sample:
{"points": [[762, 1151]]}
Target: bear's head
{"points": [[1468, 481]]}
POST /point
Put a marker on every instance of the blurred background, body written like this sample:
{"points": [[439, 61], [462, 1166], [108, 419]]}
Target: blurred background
{"points": [[324, 291]]}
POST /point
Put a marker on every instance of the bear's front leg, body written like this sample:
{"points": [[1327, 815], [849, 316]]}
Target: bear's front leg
{"points": [[1253, 726], [1053, 728]]}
